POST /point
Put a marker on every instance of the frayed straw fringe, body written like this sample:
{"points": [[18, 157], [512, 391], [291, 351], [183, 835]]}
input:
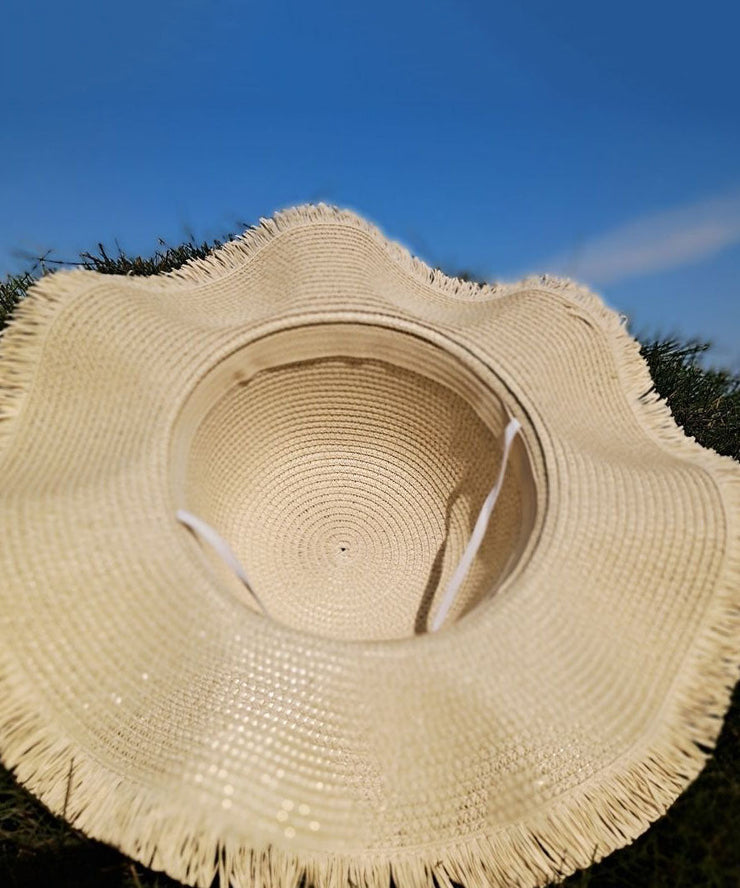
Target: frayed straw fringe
{"points": [[572, 832], [22, 340], [231, 256], [20, 345]]}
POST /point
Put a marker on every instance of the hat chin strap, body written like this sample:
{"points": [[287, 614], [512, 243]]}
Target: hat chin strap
{"points": [[476, 538], [209, 535]]}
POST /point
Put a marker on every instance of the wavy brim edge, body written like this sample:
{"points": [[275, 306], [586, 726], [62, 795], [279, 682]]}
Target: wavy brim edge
{"points": [[573, 832]]}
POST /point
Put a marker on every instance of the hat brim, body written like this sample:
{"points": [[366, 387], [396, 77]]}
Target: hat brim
{"points": [[547, 728]]}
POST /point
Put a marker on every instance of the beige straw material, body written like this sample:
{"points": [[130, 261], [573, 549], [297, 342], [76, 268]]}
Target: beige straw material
{"points": [[334, 409]]}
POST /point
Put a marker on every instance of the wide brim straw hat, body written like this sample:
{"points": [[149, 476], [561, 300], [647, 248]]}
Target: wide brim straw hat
{"points": [[319, 564]]}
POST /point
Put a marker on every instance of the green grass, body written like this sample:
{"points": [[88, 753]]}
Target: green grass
{"points": [[695, 845]]}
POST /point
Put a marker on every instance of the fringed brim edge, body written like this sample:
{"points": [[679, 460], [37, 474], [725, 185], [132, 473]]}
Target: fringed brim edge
{"points": [[22, 340], [580, 828]]}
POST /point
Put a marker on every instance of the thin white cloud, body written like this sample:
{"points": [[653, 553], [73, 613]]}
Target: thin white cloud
{"points": [[656, 242]]}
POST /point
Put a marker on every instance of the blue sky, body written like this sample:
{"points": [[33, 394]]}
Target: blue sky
{"points": [[598, 140]]}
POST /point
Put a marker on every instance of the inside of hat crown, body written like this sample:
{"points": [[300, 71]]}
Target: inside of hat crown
{"points": [[345, 465]]}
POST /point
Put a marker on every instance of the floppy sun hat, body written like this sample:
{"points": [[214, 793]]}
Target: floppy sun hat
{"points": [[318, 564]]}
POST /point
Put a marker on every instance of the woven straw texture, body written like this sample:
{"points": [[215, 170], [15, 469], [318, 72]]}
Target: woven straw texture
{"points": [[335, 408]]}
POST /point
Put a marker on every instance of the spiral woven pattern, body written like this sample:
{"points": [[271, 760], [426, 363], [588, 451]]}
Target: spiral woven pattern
{"points": [[335, 410]]}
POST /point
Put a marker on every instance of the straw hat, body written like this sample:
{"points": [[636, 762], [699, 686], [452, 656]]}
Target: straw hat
{"points": [[318, 562]]}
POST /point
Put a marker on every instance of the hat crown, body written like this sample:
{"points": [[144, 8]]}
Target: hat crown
{"points": [[346, 467]]}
